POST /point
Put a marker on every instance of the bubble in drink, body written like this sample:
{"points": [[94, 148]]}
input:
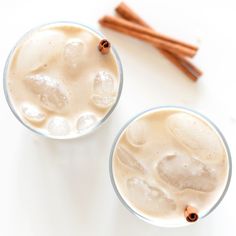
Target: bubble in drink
{"points": [[184, 172], [74, 52], [103, 90], [34, 53], [32, 113], [52, 94], [58, 126], [152, 199], [127, 159], [196, 135], [137, 133], [86, 121]]}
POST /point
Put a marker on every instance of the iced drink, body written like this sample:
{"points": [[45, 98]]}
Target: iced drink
{"points": [[58, 82], [167, 160]]}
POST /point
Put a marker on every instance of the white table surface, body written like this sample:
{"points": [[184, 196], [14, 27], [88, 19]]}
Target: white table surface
{"points": [[58, 188]]}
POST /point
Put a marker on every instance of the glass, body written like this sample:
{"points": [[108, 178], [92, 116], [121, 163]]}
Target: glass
{"points": [[130, 208], [89, 130]]}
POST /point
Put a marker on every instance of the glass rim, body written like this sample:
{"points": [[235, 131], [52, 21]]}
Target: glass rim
{"points": [[157, 108], [77, 135]]}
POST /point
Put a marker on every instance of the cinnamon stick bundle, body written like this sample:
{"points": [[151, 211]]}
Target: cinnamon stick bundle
{"points": [[180, 62], [177, 59]]}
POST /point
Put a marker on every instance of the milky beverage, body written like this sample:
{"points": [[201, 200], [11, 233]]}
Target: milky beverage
{"points": [[166, 160], [59, 83]]}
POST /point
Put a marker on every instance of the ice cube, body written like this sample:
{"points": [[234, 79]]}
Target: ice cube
{"points": [[127, 159], [184, 172], [103, 90], [58, 126], [32, 113], [74, 52], [37, 51], [103, 83], [197, 136], [137, 133], [86, 121], [52, 94], [103, 101], [149, 199]]}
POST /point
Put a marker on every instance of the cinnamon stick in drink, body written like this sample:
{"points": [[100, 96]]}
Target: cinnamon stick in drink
{"points": [[104, 46], [191, 214]]}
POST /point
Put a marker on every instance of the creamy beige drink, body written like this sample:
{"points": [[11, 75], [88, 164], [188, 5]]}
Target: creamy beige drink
{"points": [[168, 159], [58, 82]]}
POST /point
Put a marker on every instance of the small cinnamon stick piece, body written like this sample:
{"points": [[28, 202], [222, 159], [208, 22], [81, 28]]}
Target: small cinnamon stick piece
{"points": [[182, 63], [104, 46], [148, 35], [191, 214]]}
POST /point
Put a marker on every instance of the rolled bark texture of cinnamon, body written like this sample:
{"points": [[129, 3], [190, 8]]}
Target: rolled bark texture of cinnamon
{"points": [[104, 46], [191, 214]]}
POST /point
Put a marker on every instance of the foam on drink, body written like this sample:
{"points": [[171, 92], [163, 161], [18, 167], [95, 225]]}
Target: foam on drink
{"points": [[59, 83], [166, 160]]}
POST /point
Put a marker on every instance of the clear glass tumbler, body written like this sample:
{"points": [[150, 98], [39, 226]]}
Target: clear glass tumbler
{"points": [[118, 186], [78, 134]]}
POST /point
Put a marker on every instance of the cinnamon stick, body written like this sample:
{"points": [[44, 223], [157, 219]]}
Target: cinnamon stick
{"points": [[182, 63], [148, 35], [191, 214], [127, 13], [153, 33], [104, 46]]}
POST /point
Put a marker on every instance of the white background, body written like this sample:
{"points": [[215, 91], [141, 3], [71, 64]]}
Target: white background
{"points": [[62, 188]]}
